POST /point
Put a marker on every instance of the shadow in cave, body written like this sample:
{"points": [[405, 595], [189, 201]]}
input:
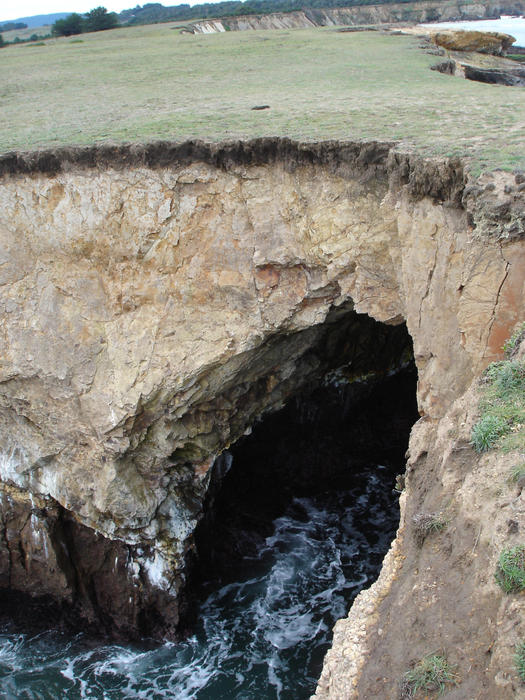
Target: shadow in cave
{"points": [[330, 438], [298, 518]]}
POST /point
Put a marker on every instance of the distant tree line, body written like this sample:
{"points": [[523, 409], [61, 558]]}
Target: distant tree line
{"points": [[9, 26], [152, 13], [18, 40], [93, 21]]}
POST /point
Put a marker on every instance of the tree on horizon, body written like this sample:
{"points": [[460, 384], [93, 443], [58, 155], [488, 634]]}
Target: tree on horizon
{"points": [[95, 20], [72, 24], [99, 18]]}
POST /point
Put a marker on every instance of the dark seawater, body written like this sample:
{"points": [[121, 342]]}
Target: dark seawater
{"points": [[261, 636]]}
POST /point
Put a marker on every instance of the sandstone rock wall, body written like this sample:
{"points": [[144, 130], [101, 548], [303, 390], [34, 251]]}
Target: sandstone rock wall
{"points": [[155, 300]]}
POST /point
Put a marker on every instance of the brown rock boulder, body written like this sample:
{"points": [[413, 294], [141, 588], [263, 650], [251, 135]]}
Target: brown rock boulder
{"points": [[494, 43]]}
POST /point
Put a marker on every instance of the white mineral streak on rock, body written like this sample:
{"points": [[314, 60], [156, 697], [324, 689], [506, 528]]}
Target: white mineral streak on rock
{"points": [[12, 467], [157, 569]]}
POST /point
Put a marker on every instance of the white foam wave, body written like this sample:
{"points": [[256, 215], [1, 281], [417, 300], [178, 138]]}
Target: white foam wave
{"points": [[254, 635]]}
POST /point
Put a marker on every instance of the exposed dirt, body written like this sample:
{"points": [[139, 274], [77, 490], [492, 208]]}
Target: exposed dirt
{"points": [[369, 157], [441, 179]]}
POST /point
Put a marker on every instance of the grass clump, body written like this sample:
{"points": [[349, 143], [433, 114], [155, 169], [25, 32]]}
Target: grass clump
{"points": [[510, 572], [432, 673], [519, 660], [511, 345], [517, 473], [487, 432], [426, 524], [502, 421]]}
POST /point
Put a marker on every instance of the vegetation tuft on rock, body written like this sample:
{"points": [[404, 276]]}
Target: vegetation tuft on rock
{"points": [[510, 572], [511, 346], [502, 421], [519, 660], [517, 473], [432, 673], [427, 523]]}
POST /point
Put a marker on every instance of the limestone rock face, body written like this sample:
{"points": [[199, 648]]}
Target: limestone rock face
{"points": [[155, 300], [494, 43]]}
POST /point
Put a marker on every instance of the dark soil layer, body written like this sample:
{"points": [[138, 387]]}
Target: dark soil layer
{"points": [[440, 179]]}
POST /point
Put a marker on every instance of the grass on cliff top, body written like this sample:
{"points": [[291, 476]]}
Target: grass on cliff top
{"points": [[151, 82]]}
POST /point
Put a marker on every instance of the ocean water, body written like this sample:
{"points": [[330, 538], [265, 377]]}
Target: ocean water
{"points": [[262, 636], [515, 26]]}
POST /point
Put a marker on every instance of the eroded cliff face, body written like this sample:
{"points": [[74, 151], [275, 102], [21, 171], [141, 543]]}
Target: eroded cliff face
{"points": [[156, 300], [415, 13]]}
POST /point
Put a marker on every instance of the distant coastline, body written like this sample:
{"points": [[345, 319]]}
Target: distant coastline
{"points": [[515, 26]]}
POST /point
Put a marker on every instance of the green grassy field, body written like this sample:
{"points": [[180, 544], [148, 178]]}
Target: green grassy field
{"points": [[151, 82]]}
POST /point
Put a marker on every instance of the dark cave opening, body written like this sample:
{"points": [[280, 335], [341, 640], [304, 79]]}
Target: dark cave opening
{"points": [[324, 439], [299, 516]]}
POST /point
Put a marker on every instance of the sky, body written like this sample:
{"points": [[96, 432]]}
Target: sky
{"points": [[12, 9]]}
